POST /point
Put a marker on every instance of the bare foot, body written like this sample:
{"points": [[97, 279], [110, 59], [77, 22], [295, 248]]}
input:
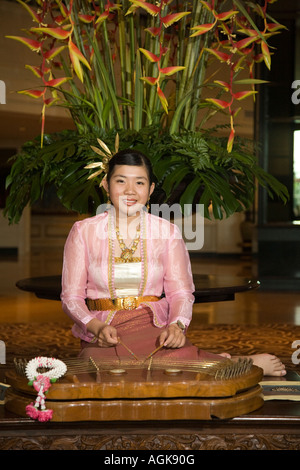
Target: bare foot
{"points": [[227, 355], [270, 364]]}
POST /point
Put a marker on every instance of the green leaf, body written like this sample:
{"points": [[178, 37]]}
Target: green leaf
{"points": [[35, 188], [139, 90], [250, 81], [189, 194], [172, 180]]}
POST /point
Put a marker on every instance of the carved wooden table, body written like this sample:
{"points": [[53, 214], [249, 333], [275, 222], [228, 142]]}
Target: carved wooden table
{"points": [[273, 426]]}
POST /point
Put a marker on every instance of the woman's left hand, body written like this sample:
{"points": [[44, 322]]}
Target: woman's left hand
{"points": [[172, 337]]}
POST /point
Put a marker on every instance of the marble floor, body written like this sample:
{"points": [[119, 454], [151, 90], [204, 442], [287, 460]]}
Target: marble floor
{"points": [[251, 308]]}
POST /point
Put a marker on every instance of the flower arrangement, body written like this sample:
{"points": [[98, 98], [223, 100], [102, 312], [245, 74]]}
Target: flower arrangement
{"points": [[138, 68]]}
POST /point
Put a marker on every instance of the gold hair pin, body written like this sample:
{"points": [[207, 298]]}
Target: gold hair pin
{"points": [[106, 155]]}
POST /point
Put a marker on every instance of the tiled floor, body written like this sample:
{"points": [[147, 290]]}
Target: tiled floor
{"points": [[253, 307]]}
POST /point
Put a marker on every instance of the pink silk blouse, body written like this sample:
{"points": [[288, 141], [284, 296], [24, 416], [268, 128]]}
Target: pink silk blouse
{"points": [[88, 271]]}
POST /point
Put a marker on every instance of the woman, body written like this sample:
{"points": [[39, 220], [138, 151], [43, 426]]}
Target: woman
{"points": [[127, 281]]}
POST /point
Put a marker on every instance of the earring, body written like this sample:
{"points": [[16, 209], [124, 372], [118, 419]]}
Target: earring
{"points": [[108, 202], [148, 205]]}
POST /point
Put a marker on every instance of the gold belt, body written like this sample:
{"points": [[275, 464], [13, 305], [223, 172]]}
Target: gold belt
{"points": [[121, 303]]}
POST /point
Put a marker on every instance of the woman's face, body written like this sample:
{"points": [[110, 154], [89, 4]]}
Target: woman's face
{"points": [[129, 189]]}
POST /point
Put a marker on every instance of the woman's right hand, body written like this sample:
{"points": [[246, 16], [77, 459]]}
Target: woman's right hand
{"points": [[106, 335]]}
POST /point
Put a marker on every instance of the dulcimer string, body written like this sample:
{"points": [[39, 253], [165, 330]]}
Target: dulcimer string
{"points": [[78, 365], [219, 367], [226, 366]]}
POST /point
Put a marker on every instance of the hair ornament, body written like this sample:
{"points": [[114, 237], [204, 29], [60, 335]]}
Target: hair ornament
{"points": [[106, 155]]}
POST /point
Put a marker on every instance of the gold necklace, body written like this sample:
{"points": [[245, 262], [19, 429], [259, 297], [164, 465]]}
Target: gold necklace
{"points": [[128, 252]]}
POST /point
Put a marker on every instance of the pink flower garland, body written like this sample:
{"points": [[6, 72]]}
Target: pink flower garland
{"points": [[41, 383]]}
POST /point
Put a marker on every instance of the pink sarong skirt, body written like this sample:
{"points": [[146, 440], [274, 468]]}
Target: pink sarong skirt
{"points": [[137, 331]]}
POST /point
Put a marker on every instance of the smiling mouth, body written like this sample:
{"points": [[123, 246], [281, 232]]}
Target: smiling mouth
{"points": [[130, 202]]}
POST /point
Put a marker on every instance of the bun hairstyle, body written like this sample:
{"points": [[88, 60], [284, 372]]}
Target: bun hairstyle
{"points": [[131, 158]]}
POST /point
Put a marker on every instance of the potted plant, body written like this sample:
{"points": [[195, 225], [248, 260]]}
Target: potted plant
{"points": [[138, 69]]}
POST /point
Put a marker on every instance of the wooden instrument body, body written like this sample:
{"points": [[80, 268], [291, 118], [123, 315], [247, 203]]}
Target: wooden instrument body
{"points": [[139, 394]]}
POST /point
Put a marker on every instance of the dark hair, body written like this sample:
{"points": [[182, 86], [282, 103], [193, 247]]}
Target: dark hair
{"points": [[132, 158]]}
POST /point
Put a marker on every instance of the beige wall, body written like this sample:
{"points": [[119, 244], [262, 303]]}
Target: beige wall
{"points": [[20, 115]]}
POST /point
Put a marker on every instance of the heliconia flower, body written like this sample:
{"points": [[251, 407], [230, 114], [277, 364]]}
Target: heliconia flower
{"points": [[168, 20], [152, 9], [154, 31], [208, 5], [76, 58], [58, 33], [112, 6], [59, 19], [162, 98], [258, 58], [150, 80], [36, 17], [32, 93], [46, 69], [163, 50], [225, 15], [57, 81], [223, 26], [152, 57], [49, 55], [133, 8], [86, 18], [202, 29], [236, 112], [248, 31], [50, 101], [102, 17], [266, 54], [34, 69], [243, 43], [31, 43], [240, 95], [239, 64], [64, 10], [220, 103], [230, 140], [223, 84], [170, 70], [222, 56], [274, 26]]}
